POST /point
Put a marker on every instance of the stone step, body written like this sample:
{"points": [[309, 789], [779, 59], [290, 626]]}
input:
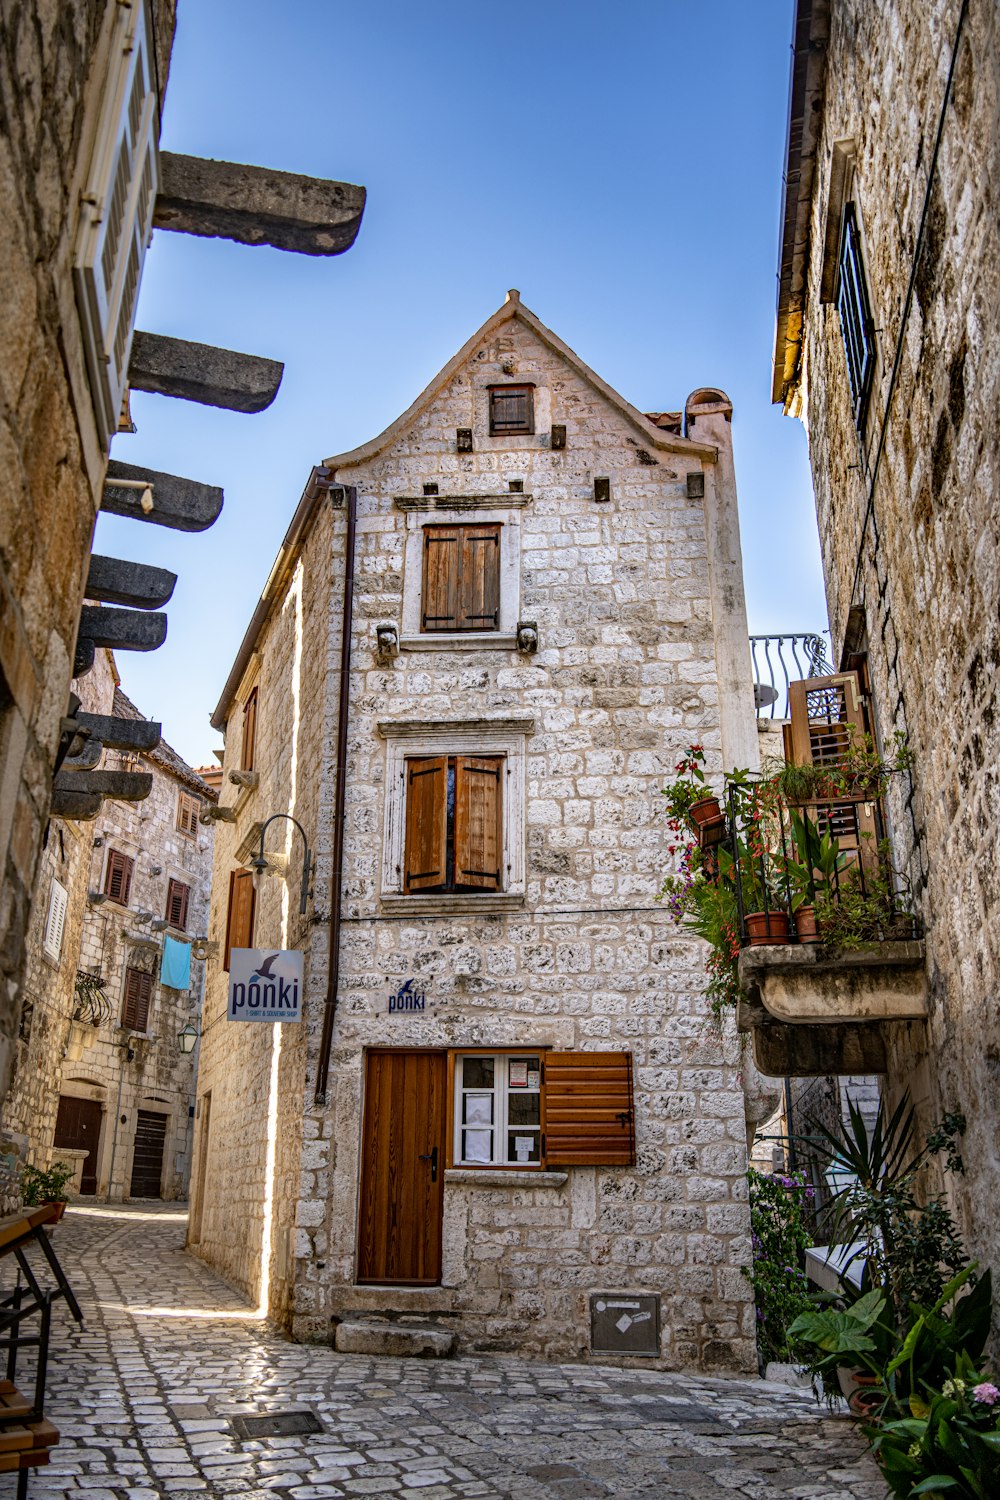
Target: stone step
{"points": [[359, 1336]]}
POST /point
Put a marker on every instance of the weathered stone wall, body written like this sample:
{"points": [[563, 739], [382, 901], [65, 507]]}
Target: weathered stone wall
{"points": [[625, 677], [928, 581], [52, 70]]}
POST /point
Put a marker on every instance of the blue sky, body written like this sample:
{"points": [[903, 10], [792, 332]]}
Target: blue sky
{"points": [[620, 165]]}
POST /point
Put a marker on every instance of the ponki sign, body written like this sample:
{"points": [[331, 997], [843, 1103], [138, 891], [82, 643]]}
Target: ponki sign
{"points": [[265, 984]]}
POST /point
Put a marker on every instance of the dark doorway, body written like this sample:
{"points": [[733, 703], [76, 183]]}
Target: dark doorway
{"points": [[78, 1128], [147, 1155]]}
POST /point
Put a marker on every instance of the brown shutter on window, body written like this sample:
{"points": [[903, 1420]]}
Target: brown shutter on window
{"points": [[478, 827], [480, 578], [239, 920], [138, 990], [177, 903], [588, 1116], [827, 717], [426, 823], [187, 813], [442, 562], [118, 877], [249, 748]]}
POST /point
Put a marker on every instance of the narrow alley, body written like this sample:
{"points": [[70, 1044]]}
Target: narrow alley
{"points": [[152, 1396]]}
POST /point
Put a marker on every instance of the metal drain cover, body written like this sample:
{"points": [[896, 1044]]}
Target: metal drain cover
{"points": [[278, 1424]]}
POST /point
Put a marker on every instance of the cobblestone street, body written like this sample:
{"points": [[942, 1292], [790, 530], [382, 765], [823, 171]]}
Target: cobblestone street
{"points": [[148, 1396]]}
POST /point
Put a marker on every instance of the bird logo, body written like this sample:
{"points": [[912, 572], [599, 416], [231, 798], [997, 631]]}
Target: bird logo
{"points": [[265, 970]]}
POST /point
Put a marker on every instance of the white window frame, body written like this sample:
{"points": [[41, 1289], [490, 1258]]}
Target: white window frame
{"points": [[55, 921], [500, 1126], [466, 737], [504, 638]]}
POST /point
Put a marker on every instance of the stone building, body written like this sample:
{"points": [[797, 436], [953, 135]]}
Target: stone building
{"points": [[887, 350], [489, 635], [100, 1078]]}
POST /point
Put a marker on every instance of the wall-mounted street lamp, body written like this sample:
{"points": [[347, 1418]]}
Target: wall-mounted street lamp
{"points": [[260, 866], [187, 1038]]}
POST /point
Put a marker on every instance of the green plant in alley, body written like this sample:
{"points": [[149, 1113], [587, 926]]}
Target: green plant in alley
{"points": [[44, 1185], [780, 1207]]}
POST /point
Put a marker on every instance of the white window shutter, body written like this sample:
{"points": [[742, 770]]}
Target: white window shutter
{"points": [[117, 213], [55, 922]]}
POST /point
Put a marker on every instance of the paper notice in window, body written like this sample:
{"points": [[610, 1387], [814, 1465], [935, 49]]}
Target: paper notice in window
{"points": [[518, 1077], [478, 1145], [479, 1109], [522, 1146], [534, 1078]]}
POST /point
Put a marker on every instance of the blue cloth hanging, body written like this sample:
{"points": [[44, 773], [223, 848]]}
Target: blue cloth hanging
{"points": [[175, 967]]}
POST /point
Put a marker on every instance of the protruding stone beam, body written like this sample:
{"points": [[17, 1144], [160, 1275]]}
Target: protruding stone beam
{"points": [[202, 372], [113, 581], [122, 734], [183, 504], [257, 206], [124, 786], [80, 807], [122, 629], [87, 759]]}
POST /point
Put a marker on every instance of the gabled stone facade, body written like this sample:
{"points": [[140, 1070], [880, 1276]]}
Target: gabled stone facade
{"points": [[620, 638]]}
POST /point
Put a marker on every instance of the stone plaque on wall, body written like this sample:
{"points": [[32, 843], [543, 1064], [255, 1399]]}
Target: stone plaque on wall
{"points": [[623, 1324]]}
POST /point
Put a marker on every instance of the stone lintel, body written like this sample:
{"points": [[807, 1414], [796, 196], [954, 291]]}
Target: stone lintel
{"points": [[122, 629], [203, 373], [139, 585], [810, 984], [411, 728], [257, 206], [121, 734], [505, 500], [182, 504]]}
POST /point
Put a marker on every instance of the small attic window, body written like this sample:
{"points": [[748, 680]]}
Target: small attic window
{"points": [[512, 409]]}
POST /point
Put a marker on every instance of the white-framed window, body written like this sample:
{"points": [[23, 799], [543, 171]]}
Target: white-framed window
{"points": [[467, 531], [499, 744], [498, 1109], [55, 921]]}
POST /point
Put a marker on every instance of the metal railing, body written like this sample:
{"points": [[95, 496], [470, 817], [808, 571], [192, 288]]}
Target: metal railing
{"points": [[780, 659]]}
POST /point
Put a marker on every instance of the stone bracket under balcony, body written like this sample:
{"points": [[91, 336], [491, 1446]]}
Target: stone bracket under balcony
{"points": [[813, 1010]]}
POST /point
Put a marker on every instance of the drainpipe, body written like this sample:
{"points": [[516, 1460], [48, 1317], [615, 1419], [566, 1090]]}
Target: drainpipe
{"points": [[337, 869]]}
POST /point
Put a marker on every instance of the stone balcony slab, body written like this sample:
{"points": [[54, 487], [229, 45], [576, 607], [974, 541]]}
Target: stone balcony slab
{"points": [[812, 985]]}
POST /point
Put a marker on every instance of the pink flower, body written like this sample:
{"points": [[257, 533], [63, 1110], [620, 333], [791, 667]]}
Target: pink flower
{"points": [[986, 1393]]}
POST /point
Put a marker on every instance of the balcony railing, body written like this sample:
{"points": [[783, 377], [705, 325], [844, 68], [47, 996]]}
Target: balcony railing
{"points": [[780, 659]]}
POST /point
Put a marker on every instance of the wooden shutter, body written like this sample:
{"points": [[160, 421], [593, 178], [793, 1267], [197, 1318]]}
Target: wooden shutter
{"points": [[479, 586], [177, 904], [249, 748], [138, 990], [442, 562], [55, 921], [117, 212], [239, 918], [187, 813], [118, 877], [511, 409], [588, 1115], [826, 717], [478, 821], [426, 860]]}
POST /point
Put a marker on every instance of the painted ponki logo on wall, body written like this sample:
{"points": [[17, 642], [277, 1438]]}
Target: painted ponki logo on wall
{"points": [[407, 998], [265, 984]]}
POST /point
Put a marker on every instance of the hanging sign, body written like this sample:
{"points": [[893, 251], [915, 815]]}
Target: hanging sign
{"points": [[265, 984]]}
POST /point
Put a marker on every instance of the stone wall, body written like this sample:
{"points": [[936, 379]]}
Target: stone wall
{"points": [[53, 61], [624, 679], [928, 589]]}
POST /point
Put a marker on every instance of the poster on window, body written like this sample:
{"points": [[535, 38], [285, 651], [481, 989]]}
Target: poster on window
{"points": [[265, 984], [518, 1073]]}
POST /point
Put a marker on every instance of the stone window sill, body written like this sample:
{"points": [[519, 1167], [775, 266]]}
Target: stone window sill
{"points": [[457, 902], [523, 1178], [479, 640]]}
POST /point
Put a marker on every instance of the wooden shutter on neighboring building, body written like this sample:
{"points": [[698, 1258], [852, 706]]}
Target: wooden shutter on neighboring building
{"points": [[512, 409], [480, 578], [478, 821], [461, 582], [249, 748], [442, 564], [827, 717], [138, 990], [588, 1116], [55, 921], [118, 877], [426, 822], [239, 920], [178, 895], [187, 813]]}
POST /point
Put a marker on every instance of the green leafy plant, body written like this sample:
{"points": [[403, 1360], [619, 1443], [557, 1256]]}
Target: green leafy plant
{"points": [[41, 1185], [688, 786], [949, 1445], [814, 869], [780, 1207]]}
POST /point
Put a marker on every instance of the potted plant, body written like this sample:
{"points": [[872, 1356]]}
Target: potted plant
{"points": [[45, 1185], [691, 801], [813, 872]]}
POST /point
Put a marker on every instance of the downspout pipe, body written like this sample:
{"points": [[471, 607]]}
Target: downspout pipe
{"points": [[337, 868]]}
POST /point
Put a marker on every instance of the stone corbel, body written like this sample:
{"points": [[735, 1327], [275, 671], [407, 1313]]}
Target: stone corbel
{"points": [[386, 642], [248, 780], [527, 637]]}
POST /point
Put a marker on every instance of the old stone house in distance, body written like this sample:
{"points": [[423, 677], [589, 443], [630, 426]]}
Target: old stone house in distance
{"points": [[506, 1115], [887, 349]]}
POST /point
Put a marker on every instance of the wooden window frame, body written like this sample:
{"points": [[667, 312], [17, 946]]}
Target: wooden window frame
{"points": [[457, 769], [184, 901], [137, 996], [461, 618], [248, 747], [499, 428], [236, 876], [857, 326], [188, 812], [121, 866]]}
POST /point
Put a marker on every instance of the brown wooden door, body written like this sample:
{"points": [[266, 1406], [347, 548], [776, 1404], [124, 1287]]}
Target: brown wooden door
{"points": [[402, 1168], [147, 1155], [78, 1128]]}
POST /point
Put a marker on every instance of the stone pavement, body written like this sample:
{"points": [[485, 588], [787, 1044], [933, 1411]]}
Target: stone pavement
{"points": [[146, 1396]]}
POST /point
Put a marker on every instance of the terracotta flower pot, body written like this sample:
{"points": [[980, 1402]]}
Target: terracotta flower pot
{"points": [[711, 833], [766, 927], [705, 810], [806, 926], [59, 1204]]}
